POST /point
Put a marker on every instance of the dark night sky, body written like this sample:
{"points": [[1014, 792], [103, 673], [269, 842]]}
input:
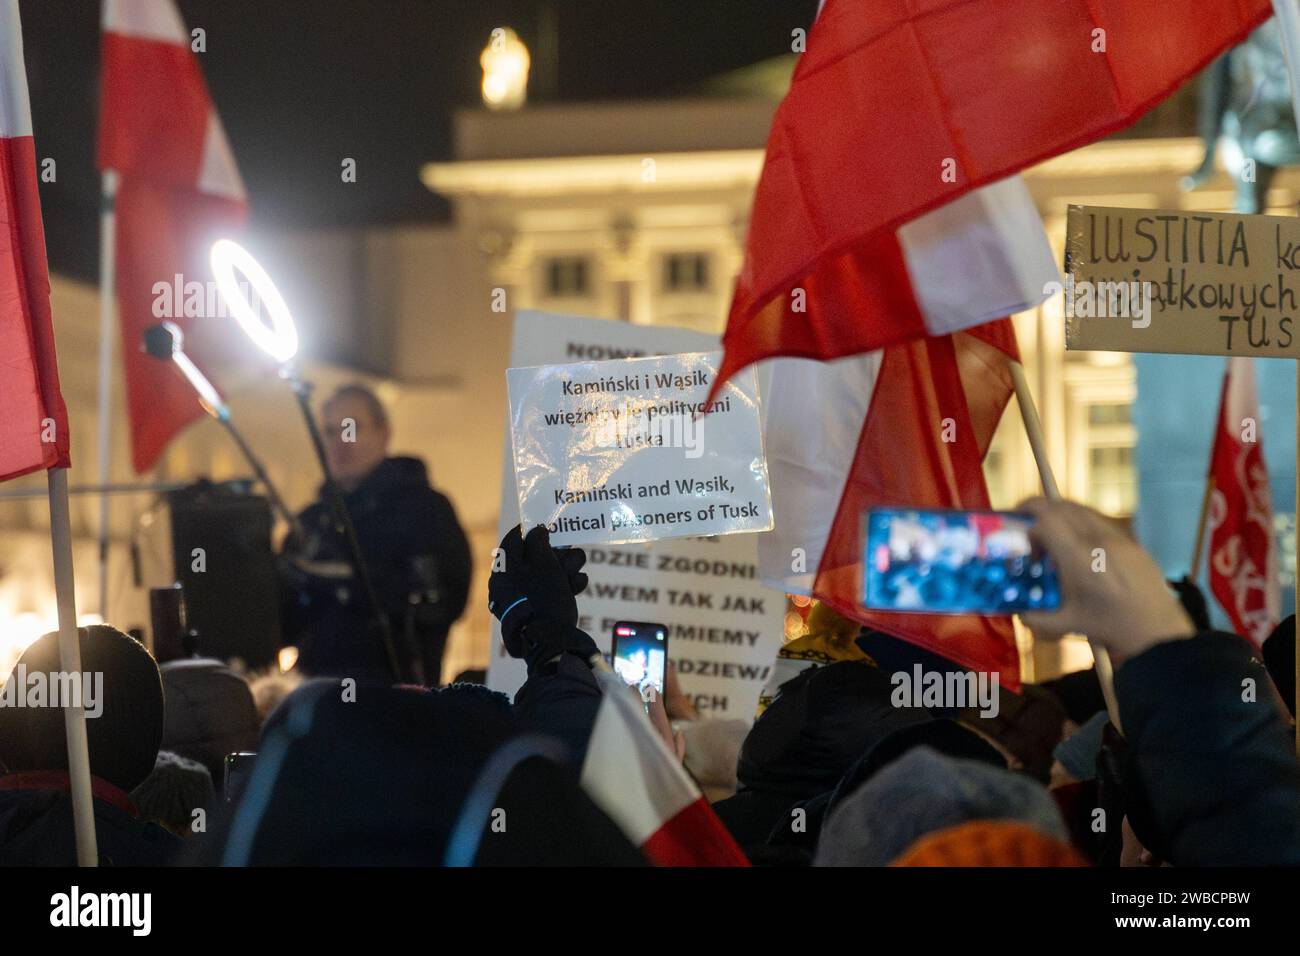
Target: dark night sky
{"points": [[300, 84]]}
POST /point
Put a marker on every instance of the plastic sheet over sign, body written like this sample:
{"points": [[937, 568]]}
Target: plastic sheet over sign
{"points": [[631, 450]]}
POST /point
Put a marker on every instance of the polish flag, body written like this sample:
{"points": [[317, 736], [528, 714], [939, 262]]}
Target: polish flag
{"points": [[33, 419], [905, 426], [900, 107], [889, 238], [632, 775], [1243, 558], [179, 191]]}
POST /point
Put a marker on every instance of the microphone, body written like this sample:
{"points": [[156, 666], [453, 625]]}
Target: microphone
{"points": [[164, 340]]}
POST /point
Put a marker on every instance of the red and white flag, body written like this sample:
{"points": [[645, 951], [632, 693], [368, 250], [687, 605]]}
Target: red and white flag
{"points": [[33, 419], [887, 217], [900, 107], [630, 774], [904, 426], [179, 191], [1243, 558]]}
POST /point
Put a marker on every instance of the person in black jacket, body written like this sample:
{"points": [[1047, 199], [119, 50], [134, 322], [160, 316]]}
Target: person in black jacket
{"points": [[414, 548], [1209, 746], [124, 726]]}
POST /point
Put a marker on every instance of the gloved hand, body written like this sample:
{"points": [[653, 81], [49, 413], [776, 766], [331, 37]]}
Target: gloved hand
{"points": [[1192, 599], [535, 586]]}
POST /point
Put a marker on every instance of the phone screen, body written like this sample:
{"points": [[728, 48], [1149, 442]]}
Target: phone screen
{"points": [[955, 562], [238, 768], [640, 653]]}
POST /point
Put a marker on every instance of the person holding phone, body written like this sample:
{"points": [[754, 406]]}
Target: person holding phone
{"points": [[1217, 765], [533, 592]]}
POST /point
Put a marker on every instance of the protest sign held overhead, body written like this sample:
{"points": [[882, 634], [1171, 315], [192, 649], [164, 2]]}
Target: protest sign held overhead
{"points": [[724, 625], [1189, 283], [635, 450]]}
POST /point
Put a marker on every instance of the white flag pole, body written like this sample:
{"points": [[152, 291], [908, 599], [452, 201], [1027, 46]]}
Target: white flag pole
{"points": [[107, 288], [74, 714], [1287, 13], [1038, 442]]}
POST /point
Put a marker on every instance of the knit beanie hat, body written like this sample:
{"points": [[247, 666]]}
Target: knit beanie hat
{"points": [[922, 792], [123, 739], [944, 736], [989, 843], [177, 787]]}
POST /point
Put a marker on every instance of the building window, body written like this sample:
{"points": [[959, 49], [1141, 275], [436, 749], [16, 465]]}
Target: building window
{"points": [[567, 277], [1110, 413], [1108, 447], [686, 272], [1112, 487]]}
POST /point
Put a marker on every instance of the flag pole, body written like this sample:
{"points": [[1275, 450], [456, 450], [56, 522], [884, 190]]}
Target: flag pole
{"points": [[103, 420], [1038, 442], [74, 714], [1198, 547]]}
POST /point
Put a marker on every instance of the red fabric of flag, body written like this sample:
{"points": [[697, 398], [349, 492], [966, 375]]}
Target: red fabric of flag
{"points": [[1242, 555], [936, 405], [901, 106], [179, 192], [33, 418]]}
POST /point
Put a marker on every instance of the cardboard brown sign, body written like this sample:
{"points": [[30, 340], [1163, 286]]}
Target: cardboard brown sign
{"points": [[1191, 283]]}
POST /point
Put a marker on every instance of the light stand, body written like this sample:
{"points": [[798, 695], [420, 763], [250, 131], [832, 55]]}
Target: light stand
{"points": [[280, 341], [166, 341]]}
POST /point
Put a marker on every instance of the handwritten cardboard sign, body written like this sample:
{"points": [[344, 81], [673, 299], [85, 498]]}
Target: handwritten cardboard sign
{"points": [[1191, 283]]}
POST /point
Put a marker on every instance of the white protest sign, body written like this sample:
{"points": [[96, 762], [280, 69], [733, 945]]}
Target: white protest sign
{"points": [[632, 450], [724, 625]]}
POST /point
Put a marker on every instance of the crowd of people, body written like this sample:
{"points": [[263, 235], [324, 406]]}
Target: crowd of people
{"points": [[1196, 767]]}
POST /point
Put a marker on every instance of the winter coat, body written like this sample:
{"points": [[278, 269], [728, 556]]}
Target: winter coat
{"points": [[36, 825], [412, 544], [1219, 769]]}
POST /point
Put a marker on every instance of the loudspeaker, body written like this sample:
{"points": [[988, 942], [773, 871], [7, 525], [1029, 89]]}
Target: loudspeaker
{"points": [[221, 546]]}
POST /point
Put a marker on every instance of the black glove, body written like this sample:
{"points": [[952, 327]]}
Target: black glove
{"points": [[1192, 599], [535, 586]]}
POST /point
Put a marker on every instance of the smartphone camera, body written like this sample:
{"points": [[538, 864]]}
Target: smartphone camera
{"points": [[640, 654], [955, 562]]}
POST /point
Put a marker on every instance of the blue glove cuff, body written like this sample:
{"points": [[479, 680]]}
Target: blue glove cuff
{"points": [[512, 606]]}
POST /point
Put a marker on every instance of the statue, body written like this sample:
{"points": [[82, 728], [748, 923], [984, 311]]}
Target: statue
{"points": [[1245, 98]]}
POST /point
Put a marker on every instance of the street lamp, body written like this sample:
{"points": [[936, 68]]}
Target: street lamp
{"points": [[505, 61]]}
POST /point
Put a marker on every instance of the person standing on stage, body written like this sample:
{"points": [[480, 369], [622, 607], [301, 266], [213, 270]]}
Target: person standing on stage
{"points": [[414, 548]]}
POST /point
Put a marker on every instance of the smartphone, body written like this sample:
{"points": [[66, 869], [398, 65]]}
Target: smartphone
{"points": [[238, 768], [640, 654], [954, 562]]}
